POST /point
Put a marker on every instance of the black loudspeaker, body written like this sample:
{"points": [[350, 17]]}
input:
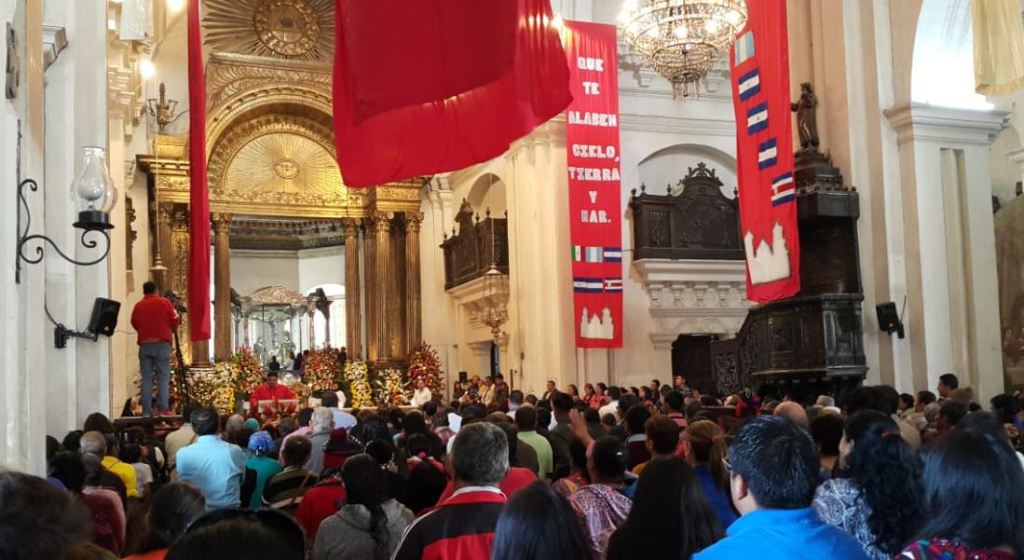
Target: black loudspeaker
{"points": [[888, 319], [104, 317], [463, 376]]}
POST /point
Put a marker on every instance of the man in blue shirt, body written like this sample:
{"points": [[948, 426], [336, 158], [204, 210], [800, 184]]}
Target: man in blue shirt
{"points": [[774, 473], [213, 465]]}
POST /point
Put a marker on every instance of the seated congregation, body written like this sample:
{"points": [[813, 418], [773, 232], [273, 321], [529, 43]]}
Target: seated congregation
{"points": [[617, 473]]}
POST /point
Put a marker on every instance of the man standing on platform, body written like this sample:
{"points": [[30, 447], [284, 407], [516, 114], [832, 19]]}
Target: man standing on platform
{"points": [[269, 391], [153, 318]]}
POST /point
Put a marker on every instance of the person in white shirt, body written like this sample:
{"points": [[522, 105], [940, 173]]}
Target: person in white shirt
{"points": [[421, 395], [613, 405]]}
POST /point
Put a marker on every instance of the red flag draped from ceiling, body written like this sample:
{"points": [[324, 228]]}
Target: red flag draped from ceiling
{"points": [[199, 201], [764, 153], [436, 85]]}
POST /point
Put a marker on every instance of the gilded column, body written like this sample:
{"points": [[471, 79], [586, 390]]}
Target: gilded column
{"points": [[177, 267], [370, 286], [413, 321], [353, 313], [222, 286], [163, 261], [383, 278], [396, 294]]}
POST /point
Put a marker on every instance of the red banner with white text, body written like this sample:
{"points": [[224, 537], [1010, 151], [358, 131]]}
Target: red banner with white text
{"points": [[759, 62], [595, 215]]}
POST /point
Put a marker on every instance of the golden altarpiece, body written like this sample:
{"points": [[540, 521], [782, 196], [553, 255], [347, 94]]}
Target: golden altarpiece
{"points": [[270, 146]]}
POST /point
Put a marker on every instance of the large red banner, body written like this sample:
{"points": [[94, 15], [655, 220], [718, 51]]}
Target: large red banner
{"points": [[595, 216], [764, 153], [199, 200], [447, 84]]}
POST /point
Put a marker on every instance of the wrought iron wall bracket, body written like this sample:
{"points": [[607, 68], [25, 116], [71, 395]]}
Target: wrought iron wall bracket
{"points": [[39, 242]]}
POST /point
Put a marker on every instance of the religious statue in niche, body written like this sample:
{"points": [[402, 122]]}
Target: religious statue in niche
{"points": [[806, 109]]}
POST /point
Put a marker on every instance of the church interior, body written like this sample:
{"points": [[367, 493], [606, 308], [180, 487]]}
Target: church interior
{"points": [[908, 187]]}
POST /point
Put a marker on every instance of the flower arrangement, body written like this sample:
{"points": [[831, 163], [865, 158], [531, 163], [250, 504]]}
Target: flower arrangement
{"points": [[358, 377], [322, 370], [426, 365], [391, 388], [212, 387], [246, 372]]}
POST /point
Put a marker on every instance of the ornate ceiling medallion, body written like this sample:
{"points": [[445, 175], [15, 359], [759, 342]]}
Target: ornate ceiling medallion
{"points": [[288, 29]]}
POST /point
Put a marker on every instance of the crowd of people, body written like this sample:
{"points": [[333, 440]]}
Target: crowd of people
{"points": [[662, 471]]}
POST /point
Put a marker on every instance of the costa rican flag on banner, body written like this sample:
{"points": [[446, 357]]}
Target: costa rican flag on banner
{"points": [[764, 153], [613, 284], [783, 189]]}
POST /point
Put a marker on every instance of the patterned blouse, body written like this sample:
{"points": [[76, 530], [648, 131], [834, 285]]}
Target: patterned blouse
{"points": [[839, 503], [601, 510], [943, 549]]}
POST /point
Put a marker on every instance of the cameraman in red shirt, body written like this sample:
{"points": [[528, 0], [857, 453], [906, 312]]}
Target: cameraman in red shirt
{"points": [[153, 318]]}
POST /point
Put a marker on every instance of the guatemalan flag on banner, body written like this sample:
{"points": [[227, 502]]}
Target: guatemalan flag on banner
{"points": [[764, 153]]}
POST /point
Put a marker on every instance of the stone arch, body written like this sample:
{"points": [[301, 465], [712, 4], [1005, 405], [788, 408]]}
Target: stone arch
{"points": [[668, 165], [942, 68], [488, 192], [257, 140]]}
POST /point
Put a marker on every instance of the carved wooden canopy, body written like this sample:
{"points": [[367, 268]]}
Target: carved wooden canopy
{"points": [[697, 223]]}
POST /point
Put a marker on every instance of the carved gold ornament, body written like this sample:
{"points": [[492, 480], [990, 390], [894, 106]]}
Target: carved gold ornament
{"points": [[285, 167], [289, 29]]}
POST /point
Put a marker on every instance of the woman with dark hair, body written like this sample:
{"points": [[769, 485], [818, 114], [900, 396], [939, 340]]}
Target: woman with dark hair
{"points": [[670, 519], [578, 475], [877, 500], [646, 396], [415, 423], [973, 500], [392, 462], [538, 524], [173, 508], [601, 506], [370, 525], [827, 432], [427, 475], [705, 452], [98, 422], [573, 392]]}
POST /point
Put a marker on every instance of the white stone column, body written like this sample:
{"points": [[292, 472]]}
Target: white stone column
{"points": [[541, 324], [953, 312], [23, 338]]}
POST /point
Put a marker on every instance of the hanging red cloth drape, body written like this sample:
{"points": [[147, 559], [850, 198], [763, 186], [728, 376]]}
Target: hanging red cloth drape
{"points": [[436, 85], [199, 216]]}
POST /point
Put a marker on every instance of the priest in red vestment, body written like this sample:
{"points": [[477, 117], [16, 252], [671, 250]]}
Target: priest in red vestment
{"points": [[269, 391]]}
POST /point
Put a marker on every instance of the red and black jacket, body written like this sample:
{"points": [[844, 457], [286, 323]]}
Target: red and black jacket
{"points": [[461, 528]]}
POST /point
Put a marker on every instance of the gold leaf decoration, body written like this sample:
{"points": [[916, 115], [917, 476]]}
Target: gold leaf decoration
{"points": [[288, 29]]}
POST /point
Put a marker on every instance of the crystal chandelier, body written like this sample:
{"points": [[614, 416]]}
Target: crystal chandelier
{"points": [[681, 39]]}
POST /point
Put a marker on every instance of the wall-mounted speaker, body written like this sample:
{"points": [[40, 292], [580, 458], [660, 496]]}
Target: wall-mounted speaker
{"points": [[889, 319], [104, 316]]}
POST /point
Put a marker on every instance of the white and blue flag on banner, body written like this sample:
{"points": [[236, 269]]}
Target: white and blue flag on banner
{"points": [[613, 254], [749, 85], [767, 154], [783, 189], [587, 285], [757, 118], [744, 47]]}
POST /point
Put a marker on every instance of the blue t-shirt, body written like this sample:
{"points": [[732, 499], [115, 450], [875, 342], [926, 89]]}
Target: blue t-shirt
{"points": [[720, 502], [783, 534], [216, 467]]}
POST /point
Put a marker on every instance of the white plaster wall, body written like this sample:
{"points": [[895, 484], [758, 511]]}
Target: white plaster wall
{"points": [[321, 266], [252, 270]]}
